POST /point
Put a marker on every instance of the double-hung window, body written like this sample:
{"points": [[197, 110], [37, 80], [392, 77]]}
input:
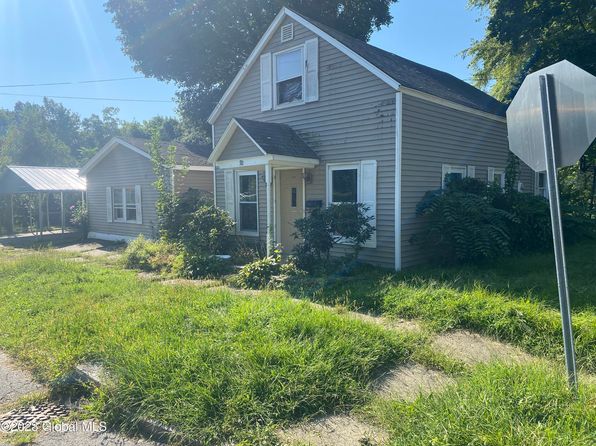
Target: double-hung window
{"points": [[344, 183], [496, 176], [289, 77], [451, 172], [124, 204], [355, 182], [247, 202]]}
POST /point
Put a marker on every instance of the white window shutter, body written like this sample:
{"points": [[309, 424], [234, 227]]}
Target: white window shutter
{"points": [[138, 205], [266, 83], [110, 218], [491, 174], [230, 202], [311, 70], [368, 195], [471, 172]]}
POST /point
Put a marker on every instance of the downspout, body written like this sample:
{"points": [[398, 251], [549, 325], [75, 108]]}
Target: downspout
{"points": [[398, 174]]}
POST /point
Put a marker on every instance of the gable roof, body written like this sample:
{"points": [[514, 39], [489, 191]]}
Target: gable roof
{"points": [[196, 157], [394, 70], [42, 179], [270, 138], [141, 146], [419, 77], [276, 139]]}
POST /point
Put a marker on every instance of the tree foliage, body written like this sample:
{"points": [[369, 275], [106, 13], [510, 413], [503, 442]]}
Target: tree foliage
{"points": [[202, 44], [49, 134], [525, 35]]}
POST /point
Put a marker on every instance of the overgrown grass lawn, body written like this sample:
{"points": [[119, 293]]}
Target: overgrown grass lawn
{"points": [[496, 405], [214, 364], [514, 300]]}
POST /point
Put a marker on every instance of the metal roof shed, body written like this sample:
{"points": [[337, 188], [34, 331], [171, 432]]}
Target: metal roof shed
{"points": [[41, 181]]}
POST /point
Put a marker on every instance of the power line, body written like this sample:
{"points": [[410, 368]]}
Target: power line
{"points": [[94, 81], [86, 98]]}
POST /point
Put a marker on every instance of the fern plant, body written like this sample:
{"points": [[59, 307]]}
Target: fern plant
{"points": [[465, 227]]}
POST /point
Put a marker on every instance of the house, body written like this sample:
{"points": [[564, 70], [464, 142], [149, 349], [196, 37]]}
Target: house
{"points": [[121, 194], [316, 117]]}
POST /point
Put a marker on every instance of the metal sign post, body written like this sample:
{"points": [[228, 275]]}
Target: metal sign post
{"points": [[550, 123], [549, 127]]}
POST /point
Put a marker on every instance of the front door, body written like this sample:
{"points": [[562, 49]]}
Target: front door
{"points": [[291, 206]]}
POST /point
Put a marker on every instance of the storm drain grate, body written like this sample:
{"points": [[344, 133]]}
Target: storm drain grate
{"points": [[31, 417]]}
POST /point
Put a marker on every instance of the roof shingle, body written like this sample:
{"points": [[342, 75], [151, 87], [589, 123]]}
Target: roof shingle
{"points": [[277, 139]]}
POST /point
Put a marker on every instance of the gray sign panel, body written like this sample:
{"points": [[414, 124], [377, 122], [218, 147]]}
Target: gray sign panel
{"points": [[575, 116]]}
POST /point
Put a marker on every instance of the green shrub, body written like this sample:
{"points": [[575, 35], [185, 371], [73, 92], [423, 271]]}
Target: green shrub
{"points": [[465, 227], [208, 231], [80, 218], [471, 220], [258, 274], [149, 255], [205, 265], [324, 228]]}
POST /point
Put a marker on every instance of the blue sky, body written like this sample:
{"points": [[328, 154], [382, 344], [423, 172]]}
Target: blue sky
{"points": [[45, 41]]}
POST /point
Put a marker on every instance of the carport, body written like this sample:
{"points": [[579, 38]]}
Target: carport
{"points": [[47, 189]]}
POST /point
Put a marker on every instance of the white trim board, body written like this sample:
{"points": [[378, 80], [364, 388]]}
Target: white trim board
{"points": [[106, 150], [194, 168], [285, 12], [110, 237], [450, 104]]}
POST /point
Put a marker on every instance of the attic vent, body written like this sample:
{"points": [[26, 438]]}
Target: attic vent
{"points": [[287, 32]]}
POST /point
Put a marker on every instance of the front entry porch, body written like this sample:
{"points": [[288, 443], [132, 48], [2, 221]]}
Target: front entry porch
{"points": [[252, 156]]}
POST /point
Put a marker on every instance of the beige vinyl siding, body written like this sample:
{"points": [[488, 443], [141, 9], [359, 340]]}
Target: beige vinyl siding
{"points": [[193, 179], [353, 120], [434, 135], [122, 168]]}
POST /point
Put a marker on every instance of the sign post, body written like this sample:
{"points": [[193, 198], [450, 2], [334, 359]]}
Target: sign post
{"points": [[549, 116], [551, 122]]}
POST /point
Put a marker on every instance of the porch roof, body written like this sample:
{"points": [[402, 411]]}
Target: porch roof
{"points": [[275, 141], [27, 179]]}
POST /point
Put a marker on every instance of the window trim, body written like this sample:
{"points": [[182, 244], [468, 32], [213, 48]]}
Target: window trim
{"points": [[449, 168], [240, 173], [331, 167], [496, 171], [274, 82], [125, 205]]}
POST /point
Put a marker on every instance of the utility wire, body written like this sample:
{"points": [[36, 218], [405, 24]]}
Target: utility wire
{"points": [[75, 82], [86, 98]]}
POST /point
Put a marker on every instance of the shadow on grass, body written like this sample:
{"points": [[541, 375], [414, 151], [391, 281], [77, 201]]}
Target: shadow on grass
{"points": [[528, 277]]}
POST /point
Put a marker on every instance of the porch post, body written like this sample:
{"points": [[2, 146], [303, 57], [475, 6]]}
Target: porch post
{"points": [[268, 183]]}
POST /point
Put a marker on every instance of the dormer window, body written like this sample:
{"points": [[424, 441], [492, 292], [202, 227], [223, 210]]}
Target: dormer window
{"points": [[289, 77]]}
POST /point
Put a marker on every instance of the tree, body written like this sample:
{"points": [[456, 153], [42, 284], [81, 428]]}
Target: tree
{"points": [[202, 44], [29, 139], [525, 35]]}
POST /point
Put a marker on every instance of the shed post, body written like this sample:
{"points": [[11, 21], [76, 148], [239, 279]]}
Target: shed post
{"points": [[40, 215], [62, 210], [48, 211], [12, 231]]}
